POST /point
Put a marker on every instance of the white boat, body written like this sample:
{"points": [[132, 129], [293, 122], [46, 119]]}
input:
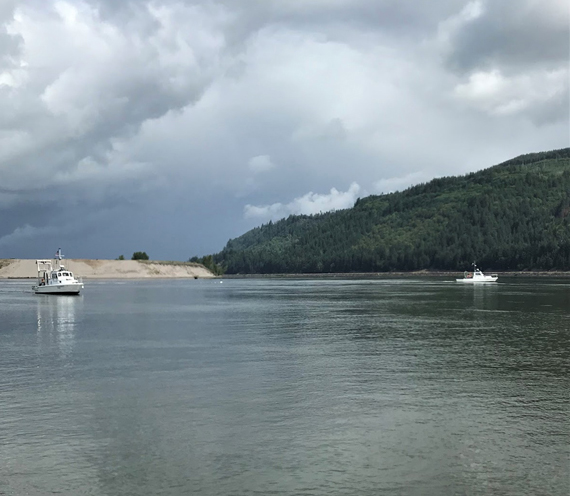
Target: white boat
{"points": [[477, 276], [56, 279]]}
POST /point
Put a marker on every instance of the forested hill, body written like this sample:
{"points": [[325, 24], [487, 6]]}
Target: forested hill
{"points": [[513, 216]]}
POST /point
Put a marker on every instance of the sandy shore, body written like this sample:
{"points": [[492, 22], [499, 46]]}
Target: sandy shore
{"points": [[109, 269]]}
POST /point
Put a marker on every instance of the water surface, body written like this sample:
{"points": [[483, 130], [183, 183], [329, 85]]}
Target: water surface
{"points": [[286, 387]]}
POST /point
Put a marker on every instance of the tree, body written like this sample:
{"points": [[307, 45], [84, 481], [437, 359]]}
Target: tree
{"points": [[139, 255], [121, 257], [512, 216]]}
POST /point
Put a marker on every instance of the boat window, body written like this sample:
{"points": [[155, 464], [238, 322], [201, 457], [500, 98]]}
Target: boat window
{"points": [[54, 276]]}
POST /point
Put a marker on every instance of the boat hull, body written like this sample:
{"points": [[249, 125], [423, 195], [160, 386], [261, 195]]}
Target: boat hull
{"points": [[478, 281], [61, 289]]}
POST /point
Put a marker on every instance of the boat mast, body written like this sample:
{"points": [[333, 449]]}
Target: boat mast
{"points": [[59, 257]]}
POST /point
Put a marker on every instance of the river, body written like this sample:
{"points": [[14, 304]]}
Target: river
{"points": [[286, 387]]}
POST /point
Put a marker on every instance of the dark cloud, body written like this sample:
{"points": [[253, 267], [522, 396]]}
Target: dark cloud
{"points": [[554, 110], [513, 35], [333, 19], [9, 43], [96, 98]]}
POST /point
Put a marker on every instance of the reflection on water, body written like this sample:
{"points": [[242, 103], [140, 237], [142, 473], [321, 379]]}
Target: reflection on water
{"points": [[484, 296], [56, 321]]}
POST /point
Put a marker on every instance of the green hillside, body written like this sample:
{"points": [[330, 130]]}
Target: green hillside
{"points": [[513, 216]]}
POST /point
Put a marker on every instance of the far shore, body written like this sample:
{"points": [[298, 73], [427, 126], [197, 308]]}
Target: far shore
{"points": [[395, 274], [155, 269]]}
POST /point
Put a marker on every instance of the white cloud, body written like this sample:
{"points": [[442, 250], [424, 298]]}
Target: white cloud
{"points": [[311, 203], [497, 94], [393, 184], [260, 163]]}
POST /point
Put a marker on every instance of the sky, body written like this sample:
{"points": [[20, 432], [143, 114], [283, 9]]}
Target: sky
{"points": [[171, 126]]}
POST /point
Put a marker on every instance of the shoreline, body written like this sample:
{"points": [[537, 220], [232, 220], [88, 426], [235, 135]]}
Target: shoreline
{"points": [[380, 275], [14, 268]]}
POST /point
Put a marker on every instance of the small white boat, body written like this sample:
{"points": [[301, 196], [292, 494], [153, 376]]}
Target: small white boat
{"points": [[477, 276], [56, 279]]}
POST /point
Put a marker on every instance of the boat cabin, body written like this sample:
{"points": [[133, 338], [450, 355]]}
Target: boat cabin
{"points": [[47, 275]]}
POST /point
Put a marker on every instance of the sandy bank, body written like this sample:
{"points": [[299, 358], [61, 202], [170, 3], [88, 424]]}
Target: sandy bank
{"points": [[109, 269]]}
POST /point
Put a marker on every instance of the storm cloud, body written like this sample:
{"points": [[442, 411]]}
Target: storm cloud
{"points": [[170, 126]]}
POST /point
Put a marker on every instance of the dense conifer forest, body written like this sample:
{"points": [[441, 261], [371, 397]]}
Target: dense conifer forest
{"points": [[513, 216]]}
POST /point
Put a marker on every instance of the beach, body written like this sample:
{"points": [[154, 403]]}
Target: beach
{"points": [[109, 269]]}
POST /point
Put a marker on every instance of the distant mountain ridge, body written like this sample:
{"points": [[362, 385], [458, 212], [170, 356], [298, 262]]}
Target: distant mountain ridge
{"points": [[512, 216]]}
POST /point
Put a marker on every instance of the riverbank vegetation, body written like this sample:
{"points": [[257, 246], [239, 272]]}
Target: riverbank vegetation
{"points": [[513, 216], [208, 262], [139, 255]]}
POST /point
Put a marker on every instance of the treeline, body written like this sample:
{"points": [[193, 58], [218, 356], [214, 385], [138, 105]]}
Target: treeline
{"points": [[513, 216], [208, 262]]}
